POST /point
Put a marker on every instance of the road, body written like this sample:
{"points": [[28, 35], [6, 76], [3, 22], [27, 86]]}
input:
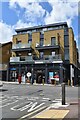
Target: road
{"points": [[21, 102]]}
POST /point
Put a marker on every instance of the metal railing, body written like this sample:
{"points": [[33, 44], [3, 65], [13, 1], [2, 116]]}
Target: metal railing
{"points": [[50, 57], [20, 45], [30, 58], [54, 44], [22, 58]]}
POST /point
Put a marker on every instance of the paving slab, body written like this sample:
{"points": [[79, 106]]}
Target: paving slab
{"points": [[52, 114]]}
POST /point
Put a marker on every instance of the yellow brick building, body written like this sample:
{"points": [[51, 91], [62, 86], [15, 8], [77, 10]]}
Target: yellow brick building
{"points": [[48, 51]]}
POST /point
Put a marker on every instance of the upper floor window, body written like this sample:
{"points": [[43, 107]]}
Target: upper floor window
{"points": [[66, 40], [66, 52], [41, 41], [30, 41], [41, 55], [53, 53], [53, 40], [29, 36], [41, 35], [18, 41]]}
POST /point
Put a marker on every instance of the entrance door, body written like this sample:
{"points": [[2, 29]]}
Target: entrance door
{"points": [[39, 76]]}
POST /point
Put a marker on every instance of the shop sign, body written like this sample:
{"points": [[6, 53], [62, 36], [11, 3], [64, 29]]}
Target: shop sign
{"points": [[28, 74], [51, 75], [56, 77]]}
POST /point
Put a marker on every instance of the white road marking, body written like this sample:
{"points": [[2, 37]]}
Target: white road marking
{"points": [[26, 106], [15, 107], [1, 97], [31, 99], [25, 116], [2, 101], [8, 104], [33, 106], [46, 98], [35, 97], [40, 112]]}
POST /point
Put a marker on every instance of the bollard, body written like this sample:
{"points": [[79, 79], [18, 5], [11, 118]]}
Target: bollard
{"points": [[63, 93], [55, 82], [68, 82], [43, 81]]}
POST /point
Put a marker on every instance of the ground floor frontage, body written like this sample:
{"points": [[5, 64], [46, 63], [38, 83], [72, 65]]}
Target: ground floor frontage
{"points": [[42, 73]]}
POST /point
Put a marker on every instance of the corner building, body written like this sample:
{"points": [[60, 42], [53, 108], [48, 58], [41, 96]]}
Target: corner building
{"points": [[48, 51]]}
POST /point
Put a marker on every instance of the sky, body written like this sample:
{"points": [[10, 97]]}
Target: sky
{"points": [[25, 13]]}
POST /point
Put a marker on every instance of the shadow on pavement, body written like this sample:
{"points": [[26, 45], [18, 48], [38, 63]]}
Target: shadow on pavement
{"points": [[3, 90]]}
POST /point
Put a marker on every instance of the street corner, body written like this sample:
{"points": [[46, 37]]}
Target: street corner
{"points": [[58, 112]]}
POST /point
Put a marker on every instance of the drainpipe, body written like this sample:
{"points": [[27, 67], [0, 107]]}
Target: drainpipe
{"points": [[71, 72], [46, 74]]}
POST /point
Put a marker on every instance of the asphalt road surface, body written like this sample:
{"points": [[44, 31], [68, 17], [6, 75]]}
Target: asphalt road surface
{"points": [[21, 102]]}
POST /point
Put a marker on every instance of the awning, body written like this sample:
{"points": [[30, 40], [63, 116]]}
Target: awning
{"points": [[12, 68]]}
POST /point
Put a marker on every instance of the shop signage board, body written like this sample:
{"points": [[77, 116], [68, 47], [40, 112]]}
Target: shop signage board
{"points": [[28, 74]]}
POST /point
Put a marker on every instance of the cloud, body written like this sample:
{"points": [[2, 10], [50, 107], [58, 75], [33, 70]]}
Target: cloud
{"points": [[33, 11], [34, 14], [21, 24], [6, 32], [21, 3], [62, 11]]}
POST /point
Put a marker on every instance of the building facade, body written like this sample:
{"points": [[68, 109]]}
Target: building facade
{"points": [[48, 52], [5, 54]]}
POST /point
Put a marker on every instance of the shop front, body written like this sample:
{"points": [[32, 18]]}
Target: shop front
{"points": [[47, 72]]}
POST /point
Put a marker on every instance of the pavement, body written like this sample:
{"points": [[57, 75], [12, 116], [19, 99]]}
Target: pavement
{"points": [[69, 111]]}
